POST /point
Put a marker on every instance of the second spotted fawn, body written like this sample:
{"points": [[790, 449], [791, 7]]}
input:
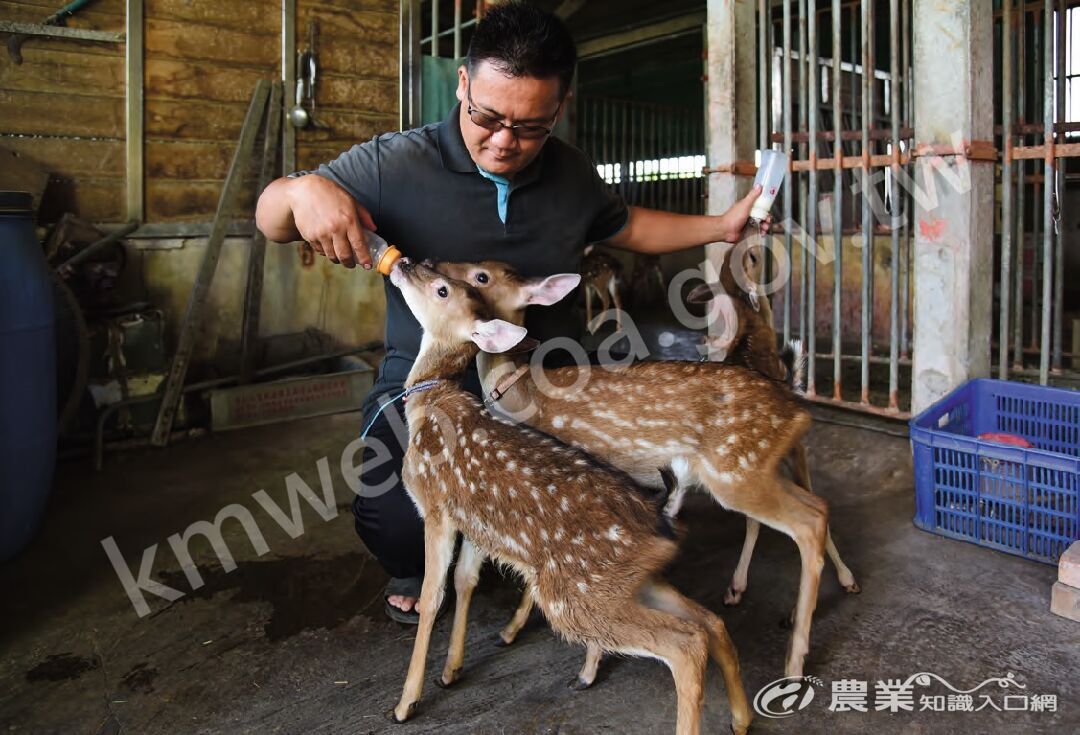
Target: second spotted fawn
{"points": [[722, 427], [589, 542], [747, 337]]}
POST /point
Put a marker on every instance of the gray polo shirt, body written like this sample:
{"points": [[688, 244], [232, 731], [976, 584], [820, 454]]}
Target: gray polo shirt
{"points": [[428, 198]]}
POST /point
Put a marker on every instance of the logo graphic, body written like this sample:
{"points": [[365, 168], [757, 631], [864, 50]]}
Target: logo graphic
{"points": [[784, 697]]}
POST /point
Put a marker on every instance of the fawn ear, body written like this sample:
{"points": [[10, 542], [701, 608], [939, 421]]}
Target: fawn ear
{"points": [[726, 315], [496, 335], [550, 290], [702, 294]]}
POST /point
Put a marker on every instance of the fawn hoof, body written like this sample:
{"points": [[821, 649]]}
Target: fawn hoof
{"points": [[398, 717], [578, 684], [853, 588], [501, 641], [455, 677], [732, 596]]}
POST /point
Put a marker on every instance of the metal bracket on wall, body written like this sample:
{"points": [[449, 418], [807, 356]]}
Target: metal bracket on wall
{"points": [[739, 168], [975, 150]]}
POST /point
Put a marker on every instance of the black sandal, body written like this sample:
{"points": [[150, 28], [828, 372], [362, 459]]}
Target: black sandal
{"points": [[407, 587]]}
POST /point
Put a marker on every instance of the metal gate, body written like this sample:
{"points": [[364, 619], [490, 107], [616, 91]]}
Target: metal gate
{"points": [[650, 154]]}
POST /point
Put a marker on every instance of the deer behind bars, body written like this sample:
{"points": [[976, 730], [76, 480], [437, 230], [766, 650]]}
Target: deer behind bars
{"points": [[725, 428], [588, 542]]}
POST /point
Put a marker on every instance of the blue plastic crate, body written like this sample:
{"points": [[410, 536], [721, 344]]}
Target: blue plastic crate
{"points": [[1021, 501]]}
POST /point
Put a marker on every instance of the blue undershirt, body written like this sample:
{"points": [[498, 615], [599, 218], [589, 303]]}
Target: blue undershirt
{"points": [[502, 188]]}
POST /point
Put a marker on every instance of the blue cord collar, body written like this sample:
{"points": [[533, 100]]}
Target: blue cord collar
{"points": [[420, 387]]}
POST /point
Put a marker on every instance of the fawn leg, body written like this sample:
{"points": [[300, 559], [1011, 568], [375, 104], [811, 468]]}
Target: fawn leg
{"points": [[466, 575], [438, 550], [509, 633], [801, 470], [722, 649], [587, 675], [781, 504], [735, 590], [681, 644], [588, 310]]}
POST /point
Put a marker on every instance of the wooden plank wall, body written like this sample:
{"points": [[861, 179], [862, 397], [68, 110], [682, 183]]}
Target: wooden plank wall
{"points": [[64, 106]]}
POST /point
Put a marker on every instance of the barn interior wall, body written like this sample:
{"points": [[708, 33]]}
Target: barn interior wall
{"points": [[63, 108]]}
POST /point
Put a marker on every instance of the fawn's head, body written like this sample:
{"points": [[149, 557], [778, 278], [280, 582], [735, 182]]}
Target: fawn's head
{"points": [[740, 272], [452, 312], [506, 291]]}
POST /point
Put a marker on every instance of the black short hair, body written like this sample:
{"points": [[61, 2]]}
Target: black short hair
{"points": [[522, 40]]}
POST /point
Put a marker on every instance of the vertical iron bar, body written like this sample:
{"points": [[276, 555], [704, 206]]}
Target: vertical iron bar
{"points": [[764, 114], [1021, 196], [788, 203], [457, 29], [1059, 238], [905, 201], [1038, 49], [1006, 186], [810, 249], [804, 96], [434, 27], [867, 214], [895, 215], [838, 195], [655, 149], [1049, 166]]}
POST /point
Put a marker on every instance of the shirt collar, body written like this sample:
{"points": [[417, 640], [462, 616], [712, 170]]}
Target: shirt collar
{"points": [[455, 156]]}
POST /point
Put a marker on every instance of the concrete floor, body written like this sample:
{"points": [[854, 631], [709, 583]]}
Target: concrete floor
{"points": [[295, 641]]}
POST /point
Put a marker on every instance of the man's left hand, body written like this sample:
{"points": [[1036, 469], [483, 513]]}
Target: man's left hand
{"points": [[734, 220]]}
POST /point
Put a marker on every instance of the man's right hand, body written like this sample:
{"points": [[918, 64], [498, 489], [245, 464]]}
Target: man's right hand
{"points": [[320, 212]]}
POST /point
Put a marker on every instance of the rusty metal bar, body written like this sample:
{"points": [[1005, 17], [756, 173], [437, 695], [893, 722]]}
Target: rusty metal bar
{"points": [[894, 276], [764, 24], [1061, 150], [1006, 187], [786, 83], [1021, 194], [810, 248], [909, 137], [1038, 49], [1059, 246], [804, 97], [1048, 191], [867, 213], [838, 196]]}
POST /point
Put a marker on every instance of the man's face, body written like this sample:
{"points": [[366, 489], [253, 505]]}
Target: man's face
{"points": [[512, 101]]}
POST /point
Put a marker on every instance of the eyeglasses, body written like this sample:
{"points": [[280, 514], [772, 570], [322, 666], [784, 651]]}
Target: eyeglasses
{"points": [[525, 132]]}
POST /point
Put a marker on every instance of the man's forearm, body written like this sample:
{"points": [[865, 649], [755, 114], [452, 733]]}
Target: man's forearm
{"points": [[656, 231], [273, 213]]}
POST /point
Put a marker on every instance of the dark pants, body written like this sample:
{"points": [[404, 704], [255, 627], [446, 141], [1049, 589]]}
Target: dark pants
{"points": [[388, 522]]}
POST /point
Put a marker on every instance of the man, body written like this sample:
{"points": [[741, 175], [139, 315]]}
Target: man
{"points": [[487, 183]]}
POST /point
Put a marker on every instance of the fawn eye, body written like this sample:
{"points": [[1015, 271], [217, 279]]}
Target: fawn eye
{"points": [[481, 277], [443, 292]]}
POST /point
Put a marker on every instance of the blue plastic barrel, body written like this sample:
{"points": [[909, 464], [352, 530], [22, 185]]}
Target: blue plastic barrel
{"points": [[27, 376]]}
